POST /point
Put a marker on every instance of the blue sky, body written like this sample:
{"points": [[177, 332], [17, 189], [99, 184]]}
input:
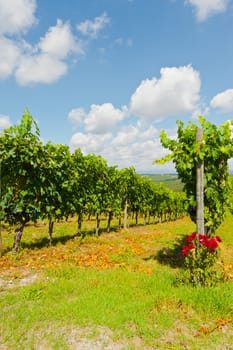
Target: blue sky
{"points": [[108, 75]]}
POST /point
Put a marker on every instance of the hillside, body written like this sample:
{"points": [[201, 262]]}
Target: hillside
{"points": [[170, 180]]}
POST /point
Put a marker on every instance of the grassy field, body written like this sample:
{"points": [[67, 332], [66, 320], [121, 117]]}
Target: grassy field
{"points": [[170, 180], [118, 291]]}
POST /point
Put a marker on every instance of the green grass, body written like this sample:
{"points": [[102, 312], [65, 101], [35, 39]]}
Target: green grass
{"points": [[115, 299], [170, 180], [137, 296]]}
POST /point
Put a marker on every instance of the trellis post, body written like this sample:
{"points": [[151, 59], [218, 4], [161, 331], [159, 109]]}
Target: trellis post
{"points": [[200, 226]]}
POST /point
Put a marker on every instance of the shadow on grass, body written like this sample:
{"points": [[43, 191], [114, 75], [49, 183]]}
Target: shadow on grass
{"points": [[171, 256], [44, 242]]}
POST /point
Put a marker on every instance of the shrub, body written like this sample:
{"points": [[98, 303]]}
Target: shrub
{"points": [[201, 253]]}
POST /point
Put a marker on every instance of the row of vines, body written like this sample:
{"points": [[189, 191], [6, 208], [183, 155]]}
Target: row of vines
{"points": [[48, 182]]}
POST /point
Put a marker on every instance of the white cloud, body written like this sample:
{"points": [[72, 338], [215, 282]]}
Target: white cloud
{"points": [[130, 147], [92, 28], [89, 143], [126, 136], [76, 116], [223, 101], [176, 92], [40, 68], [44, 62], [59, 41], [4, 122], [103, 118], [48, 64], [9, 56], [207, 8], [16, 15], [127, 146], [150, 133]]}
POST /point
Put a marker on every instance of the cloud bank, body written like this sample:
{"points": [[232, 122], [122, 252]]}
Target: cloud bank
{"points": [[17, 16], [175, 92], [48, 60], [223, 101], [105, 130]]}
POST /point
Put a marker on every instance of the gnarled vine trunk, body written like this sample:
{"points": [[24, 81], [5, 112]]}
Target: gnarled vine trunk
{"points": [[97, 230], [109, 221], [119, 221], [136, 218], [50, 231], [125, 214], [80, 220], [18, 235]]}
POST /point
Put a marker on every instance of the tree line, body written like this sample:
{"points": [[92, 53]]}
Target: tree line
{"points": [[47, 181]]}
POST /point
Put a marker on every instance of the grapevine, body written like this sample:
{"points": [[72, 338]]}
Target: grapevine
{"points": [[215, 150]]}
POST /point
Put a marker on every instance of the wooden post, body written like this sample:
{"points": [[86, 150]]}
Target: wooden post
{"points": [[200, 227]]}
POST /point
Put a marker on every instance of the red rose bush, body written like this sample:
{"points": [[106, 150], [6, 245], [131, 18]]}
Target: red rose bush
{"points": [[200, 255]]}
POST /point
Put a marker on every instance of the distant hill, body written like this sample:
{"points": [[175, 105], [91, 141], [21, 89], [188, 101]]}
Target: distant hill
{"points": [[170, 180]]}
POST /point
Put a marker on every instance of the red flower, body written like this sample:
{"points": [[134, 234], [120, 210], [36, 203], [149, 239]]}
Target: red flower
{"points": [[218, 239], [191, 237], [185, 252], [202, 239], [186, 249], [211, 244]]}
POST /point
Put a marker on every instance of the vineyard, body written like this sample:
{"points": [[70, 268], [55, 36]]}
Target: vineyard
{"points": [[91, 256], [47, 182]]}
